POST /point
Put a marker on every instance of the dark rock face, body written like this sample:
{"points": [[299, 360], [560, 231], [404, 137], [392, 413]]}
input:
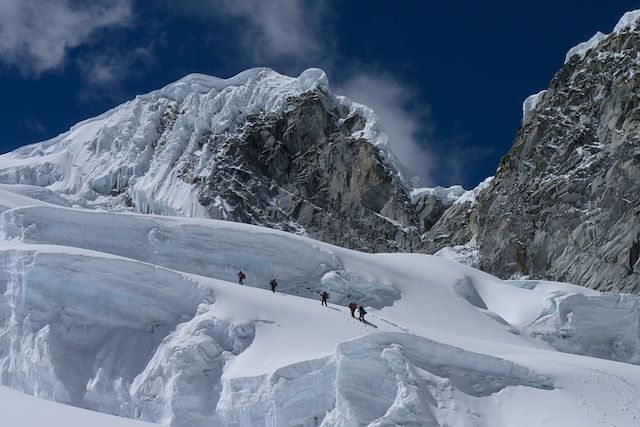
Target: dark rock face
{"points": [[304, 172], [429, 210], [565, 203], [453, 228]]}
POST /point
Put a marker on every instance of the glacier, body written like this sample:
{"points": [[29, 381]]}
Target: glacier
{"points": [[139, 316]]}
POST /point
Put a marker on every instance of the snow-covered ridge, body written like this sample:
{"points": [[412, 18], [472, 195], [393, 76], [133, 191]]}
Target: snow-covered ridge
{"points": [[284, 87], [450, 195], [581, 49], [470, 196], [629, 20], [447, 195]]}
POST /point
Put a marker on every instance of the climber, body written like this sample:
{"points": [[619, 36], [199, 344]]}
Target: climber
{"points": [[353, 306], [273, 284], [241, 277], [362, 312], [325, 297]]}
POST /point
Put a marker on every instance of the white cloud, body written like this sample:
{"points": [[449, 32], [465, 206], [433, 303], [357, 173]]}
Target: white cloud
{"points": [[296, 29], [406, 125], [277, 28], [35, 35], [111, 68]]}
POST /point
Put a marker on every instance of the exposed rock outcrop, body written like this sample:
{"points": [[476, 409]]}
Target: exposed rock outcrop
{"points": [[303, 171], [565, 202]]}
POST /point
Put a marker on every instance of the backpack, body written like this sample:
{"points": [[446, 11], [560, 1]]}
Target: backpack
{"points": [[242, 275], [362, 310]]}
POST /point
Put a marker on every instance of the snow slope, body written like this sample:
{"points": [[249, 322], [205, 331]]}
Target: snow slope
{"points": [[140, 316], [21, 410]]}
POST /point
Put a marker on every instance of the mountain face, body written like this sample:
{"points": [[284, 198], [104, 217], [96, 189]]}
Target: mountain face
{"points": [[286, 153], [304, 171], [140, 316], [565, 201], [259, 148]]}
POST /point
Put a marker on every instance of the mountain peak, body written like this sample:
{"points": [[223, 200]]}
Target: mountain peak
{"points": [[258, 147], [310, 79]]}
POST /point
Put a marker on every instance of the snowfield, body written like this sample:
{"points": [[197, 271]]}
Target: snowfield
{"points": [[140, 316], [21, 410]]}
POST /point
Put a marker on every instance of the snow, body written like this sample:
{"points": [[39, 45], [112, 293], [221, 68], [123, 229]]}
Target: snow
{"points": [[141, 316], [470, 196], [628, 20], [447, 195], [466, 254], [530, 104], [581, 49], [21, 410]]}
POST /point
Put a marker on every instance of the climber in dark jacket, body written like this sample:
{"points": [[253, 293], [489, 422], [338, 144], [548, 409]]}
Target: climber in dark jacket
{"points": [[362, 312], [353, 306], [273, 284], [325, 296], [241, 277]]}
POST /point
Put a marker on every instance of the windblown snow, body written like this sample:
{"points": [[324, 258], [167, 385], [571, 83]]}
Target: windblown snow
{"points": [[140, 316]]}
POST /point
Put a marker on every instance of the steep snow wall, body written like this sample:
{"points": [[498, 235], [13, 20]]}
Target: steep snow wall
{"points": [[413, 378], [70, 318], [196, 247]]}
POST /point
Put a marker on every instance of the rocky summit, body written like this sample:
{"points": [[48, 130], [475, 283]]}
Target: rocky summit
{"points": [[304, 171]]}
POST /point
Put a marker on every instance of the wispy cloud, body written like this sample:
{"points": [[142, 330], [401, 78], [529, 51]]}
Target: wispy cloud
{"points": [[277, 28], [408, 126], [299, 31], [35, 126], [35, 35], [107, 70]]}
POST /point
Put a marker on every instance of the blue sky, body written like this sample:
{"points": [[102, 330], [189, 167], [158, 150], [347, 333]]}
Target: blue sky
{"points": [[446, 78]]}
